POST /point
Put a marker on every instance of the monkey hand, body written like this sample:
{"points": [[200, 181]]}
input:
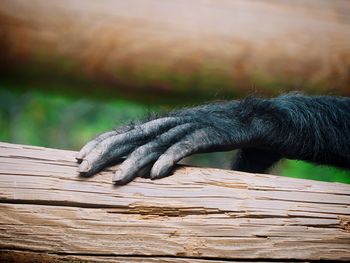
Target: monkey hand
{"points": [[265, 130], [155, 146]]}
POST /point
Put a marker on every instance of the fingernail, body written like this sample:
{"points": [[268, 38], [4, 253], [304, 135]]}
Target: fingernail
{"points": [[160, 172], [117, 176], [84, 167], [154, 175], [79, 156]]}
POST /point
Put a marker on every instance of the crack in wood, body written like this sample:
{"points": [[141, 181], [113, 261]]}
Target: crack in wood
{"points": [[45, 206], [42, 256]]}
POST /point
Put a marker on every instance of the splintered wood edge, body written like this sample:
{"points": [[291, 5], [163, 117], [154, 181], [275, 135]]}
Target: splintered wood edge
{"points": [[198, 213], [9, 256]]}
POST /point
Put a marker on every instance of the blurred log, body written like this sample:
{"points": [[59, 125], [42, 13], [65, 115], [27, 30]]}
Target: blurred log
{"points": [[179, 48], [48, 213]]}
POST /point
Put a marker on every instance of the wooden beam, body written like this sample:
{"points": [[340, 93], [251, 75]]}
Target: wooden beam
{"points": [[48, 212]]}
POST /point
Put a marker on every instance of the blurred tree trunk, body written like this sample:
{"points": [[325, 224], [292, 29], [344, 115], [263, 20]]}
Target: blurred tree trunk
{"points": [[154, 49]]}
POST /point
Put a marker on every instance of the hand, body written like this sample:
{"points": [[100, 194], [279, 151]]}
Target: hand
{"points": [[157, 145], [292, 126]]}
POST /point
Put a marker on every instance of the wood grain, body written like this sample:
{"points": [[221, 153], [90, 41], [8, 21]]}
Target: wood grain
{"points": [[197, 214]]}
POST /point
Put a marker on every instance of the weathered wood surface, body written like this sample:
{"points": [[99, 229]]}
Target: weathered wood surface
{"points": [[178, 47], [196, 215]]}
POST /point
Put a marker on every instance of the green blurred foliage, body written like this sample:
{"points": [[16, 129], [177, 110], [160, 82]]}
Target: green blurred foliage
{"points": [[299, 169], [58, 121], [66, 122]]}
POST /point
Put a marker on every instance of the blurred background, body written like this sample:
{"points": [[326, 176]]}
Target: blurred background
{"points": [[72, 69]]}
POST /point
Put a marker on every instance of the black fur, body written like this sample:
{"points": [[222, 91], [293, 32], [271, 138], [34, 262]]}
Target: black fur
{"points": [[315, 129]]}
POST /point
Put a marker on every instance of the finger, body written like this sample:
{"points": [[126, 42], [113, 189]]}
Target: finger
{"points": [[129, 170], [91, 144], [196, 142], [149, 153], [114, 156], [103, 152]]}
